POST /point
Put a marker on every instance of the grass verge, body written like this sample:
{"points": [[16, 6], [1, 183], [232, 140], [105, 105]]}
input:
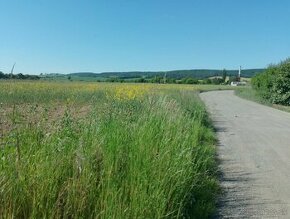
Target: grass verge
{"points": [[250, 94]]}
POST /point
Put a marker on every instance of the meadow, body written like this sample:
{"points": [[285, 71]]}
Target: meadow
{"points": [[101, 150]]}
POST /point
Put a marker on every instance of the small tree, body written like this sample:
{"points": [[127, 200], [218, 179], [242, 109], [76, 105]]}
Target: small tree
{"points": [[20, 76], [217, 81], [207, 81], [140, 80], [189, 80], [157, 79]]}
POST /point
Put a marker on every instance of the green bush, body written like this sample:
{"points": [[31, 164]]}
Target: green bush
{"points": [[217, 81], [263, 83], [189, 81], [281, 85], [274, 84]]}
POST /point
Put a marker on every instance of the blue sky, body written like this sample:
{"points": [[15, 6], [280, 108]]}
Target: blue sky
{"points": [[113, 35]]}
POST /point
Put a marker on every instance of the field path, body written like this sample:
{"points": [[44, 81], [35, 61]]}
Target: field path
{"points": [[254, 154]]}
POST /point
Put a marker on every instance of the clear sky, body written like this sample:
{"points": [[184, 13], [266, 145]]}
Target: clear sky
{"points": [[125, 35]]}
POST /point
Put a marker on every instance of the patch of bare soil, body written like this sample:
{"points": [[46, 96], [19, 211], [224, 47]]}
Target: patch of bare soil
{"points": [[12, 117]]}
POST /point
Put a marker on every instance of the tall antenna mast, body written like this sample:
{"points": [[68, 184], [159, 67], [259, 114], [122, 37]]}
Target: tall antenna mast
{"points": [[240, 70]]}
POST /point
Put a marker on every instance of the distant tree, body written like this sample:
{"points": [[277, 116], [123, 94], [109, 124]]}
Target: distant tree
{"points": [[115, 79], [190, 81], [20, 76], [112, 79], [32, 77], [217, 80], [207, 81], [157, 79], [140, 80], [170, 80], [2, 75], [69, 78]]}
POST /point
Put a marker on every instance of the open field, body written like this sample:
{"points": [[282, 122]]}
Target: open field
{"points": [[100, 150]]}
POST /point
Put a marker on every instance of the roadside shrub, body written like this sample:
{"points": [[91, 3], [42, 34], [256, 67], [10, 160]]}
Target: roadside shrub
{"points": [[274, 84], [281, 85], [263, 83]]}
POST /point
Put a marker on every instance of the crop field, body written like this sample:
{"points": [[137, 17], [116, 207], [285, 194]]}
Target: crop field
{"points": [[101, 150]]}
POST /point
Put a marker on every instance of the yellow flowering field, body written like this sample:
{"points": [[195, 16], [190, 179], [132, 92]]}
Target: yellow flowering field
{"points": [[43, 91]]}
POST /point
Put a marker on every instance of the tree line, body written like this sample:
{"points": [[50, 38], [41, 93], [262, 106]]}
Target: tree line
{"points": [[18, 76], [224, 79]]}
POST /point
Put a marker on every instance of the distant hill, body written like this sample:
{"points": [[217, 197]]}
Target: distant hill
{"points": [[176, 74]]}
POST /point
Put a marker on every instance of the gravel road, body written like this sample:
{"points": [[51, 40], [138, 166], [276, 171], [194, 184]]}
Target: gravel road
{"points": [[254, 154]]}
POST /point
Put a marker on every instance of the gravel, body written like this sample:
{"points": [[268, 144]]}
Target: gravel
{"points": [[254, 155]]}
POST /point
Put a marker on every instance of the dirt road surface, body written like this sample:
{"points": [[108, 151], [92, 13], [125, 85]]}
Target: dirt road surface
{"points": [[254, 154]]}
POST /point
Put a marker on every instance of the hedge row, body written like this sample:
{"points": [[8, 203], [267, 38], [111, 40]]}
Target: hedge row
{"points": [[274, 84]]}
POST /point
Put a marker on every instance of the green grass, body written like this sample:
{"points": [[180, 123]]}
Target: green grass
{"points": [[152, 157], [250, 94]]}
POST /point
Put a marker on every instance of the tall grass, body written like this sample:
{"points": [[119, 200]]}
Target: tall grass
{"points": [[251, 94], [148, 157]]}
